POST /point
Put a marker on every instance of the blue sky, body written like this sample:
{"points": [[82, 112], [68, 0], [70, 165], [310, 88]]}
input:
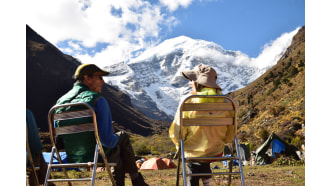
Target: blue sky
{"points": [[108, 32], [240, 24]]}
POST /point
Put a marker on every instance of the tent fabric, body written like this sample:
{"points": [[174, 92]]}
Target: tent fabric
{"points": [[47, 156], [279, 144], [157, 163], [277, 147], [64, 159], [225, 163], [169, 163], [243, 150]]}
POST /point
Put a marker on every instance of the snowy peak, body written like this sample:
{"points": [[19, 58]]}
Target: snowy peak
{"points": [[154, 82], [181, 44]]}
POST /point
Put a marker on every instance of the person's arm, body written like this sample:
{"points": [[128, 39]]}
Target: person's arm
{"points": [[104, 123], [175, 127], [33, 133]]}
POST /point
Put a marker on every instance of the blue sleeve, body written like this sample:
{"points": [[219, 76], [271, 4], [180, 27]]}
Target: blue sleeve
{"points": [[104, 123], [33, 133]]}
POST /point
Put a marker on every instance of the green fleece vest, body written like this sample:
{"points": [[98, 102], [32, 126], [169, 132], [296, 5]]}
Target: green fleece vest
{"points": [[79, 147]]}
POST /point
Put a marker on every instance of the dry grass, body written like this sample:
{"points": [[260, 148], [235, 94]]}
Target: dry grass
{"points": [[254, 175]]}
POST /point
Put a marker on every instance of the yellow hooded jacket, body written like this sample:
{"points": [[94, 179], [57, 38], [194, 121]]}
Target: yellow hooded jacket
{"points": [[202, 141]]}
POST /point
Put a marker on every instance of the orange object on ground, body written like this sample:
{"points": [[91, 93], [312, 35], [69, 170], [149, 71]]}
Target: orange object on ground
{"points": [[157, 163]]}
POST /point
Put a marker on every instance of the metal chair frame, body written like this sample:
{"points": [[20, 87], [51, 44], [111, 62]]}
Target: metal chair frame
{"points": [[54, 131], [32, 168], [215, 106]]}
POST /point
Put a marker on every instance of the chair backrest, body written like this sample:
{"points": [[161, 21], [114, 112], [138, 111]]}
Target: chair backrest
{"points": [[87, 111], [81, 110], [217, 104], [211, 111]]}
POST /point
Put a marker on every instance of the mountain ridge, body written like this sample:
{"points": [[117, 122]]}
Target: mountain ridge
{"points": [[275, 102], [49, 75], [154, 81]]}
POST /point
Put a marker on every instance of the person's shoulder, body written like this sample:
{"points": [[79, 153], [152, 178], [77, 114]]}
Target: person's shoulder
{"points": [[101, 99]]}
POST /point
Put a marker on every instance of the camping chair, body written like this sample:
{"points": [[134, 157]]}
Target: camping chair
{"points": [[55, 131], [228, 105], [31, 168]]}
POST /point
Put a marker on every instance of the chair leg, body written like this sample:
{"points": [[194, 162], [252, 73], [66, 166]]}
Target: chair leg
{"points": [[113, 182], [64, 169], [35, 176], [49, 167], [239, 162], [95, 164], [184, 172], [32, 178], [178, 169], [230, 170]]}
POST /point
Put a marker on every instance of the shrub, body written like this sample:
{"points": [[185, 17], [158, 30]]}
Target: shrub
{"points": [[285, 80], [297, 141], [276, 110], [250, 99], [263, 134], [241, 113], [276, 83], [284, 160], [141, 148], [293, 72]]}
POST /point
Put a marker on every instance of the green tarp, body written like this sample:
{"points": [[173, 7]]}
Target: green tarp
{"points": [[243, 149], [278, 146]]}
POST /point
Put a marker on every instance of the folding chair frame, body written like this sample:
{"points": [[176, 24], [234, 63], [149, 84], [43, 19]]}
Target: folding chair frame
{"points": [[216, 106], [54, 131], [33, 169]]}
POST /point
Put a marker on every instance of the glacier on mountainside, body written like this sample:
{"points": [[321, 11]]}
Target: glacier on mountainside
{"points": [[154, 82]]}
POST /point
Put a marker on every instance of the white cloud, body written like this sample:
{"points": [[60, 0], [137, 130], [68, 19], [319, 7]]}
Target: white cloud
{"points": [[75, 46], [125, 25], [174, 4], [67, 50], [275, 48]]}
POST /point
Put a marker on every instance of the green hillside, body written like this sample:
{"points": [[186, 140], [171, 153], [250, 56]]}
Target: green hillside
{"points": [[275, 102]]}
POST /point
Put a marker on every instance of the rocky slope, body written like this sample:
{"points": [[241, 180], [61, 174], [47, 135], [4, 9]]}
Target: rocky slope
{"points": [[154, 82], [275, 102]]}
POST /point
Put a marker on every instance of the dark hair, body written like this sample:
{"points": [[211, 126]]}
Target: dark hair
{"points": [[81, 78], [199, 87]]}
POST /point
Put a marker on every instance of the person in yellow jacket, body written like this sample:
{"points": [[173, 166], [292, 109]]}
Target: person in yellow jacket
{"points": [[202, 140]]}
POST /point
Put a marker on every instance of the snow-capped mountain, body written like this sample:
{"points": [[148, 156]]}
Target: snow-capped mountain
{"points": [[154, 82]]}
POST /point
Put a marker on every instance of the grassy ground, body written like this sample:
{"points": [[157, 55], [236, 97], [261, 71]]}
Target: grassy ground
{"points": [[254, 175]]}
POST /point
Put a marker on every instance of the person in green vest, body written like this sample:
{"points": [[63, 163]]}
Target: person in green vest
{"points": [[80, 147], [202, 141]]}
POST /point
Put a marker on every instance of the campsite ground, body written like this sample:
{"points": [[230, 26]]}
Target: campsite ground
{"points": [[254, 175]]}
